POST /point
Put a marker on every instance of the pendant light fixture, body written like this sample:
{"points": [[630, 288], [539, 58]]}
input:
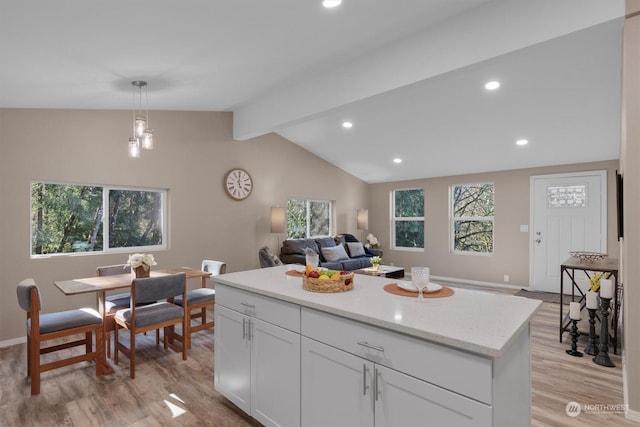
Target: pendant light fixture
{"points": [[142, 135]]}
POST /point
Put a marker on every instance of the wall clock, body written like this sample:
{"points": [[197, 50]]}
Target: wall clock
{"points": [[238, 184]]}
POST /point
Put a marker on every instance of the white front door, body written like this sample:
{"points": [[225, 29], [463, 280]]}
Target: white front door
{"points": [[568, 214]]}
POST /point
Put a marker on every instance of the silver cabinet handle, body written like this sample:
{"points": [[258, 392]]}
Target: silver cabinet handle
{"points": [[376, 386], [246, 304], [249, 329], [364, 379], [244, 328], [371, 346]]}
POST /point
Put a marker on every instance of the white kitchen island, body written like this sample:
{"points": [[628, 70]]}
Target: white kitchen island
{"points": [[366, 357]]}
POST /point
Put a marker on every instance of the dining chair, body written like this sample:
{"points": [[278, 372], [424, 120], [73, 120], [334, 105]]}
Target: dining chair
{"points": [[151, 307], [114, 302], [50, 326], [197, 302]]}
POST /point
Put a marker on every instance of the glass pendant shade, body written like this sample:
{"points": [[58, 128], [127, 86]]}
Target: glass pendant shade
{"points": [[147, 139], [134, 147], [141, 125], [142, 135]]}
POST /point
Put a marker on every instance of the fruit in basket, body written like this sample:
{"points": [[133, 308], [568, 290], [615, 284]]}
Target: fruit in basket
{"points": [[335, 276], [324, 277], [313, 274]]}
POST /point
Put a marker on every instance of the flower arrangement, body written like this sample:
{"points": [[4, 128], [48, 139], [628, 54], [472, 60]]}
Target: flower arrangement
{"points": [[594, 282], [141, 260], [375, 260], [372, 241]]}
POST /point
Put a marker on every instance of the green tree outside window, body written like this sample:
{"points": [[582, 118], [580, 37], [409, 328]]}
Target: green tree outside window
{"points": [[68, 218], [473, 217], [408, 218]]}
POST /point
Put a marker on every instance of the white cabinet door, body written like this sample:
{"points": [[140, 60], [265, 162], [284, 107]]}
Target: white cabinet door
{"points": [[275, 374], [406, 401], [232, 357], [336, 386]]}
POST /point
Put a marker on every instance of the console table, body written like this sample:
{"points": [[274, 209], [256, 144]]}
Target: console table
{"points": [[568, 269]]}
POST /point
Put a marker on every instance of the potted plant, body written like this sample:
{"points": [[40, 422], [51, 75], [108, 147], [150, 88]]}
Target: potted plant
{"points": [[375, 262]]}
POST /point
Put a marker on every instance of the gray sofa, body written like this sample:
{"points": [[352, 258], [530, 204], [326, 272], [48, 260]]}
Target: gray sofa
{"points": [[344, 252]]}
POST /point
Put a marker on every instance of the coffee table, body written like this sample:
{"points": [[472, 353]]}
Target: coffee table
{"points": [[389, 271]]}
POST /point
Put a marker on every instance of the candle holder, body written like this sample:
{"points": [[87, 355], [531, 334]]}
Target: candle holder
{"points": [[573, 351], [592, 346], [603, 348]]}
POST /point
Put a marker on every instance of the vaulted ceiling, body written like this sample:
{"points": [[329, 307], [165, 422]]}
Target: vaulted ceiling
{"points": [[409, 75]]}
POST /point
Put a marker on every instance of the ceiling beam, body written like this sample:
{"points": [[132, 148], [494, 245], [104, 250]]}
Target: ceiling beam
{"points": [[494, 29]]}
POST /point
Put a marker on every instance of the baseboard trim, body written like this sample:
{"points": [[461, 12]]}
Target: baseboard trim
{"points": [[15, 341], [632, 415], [454, 280]]}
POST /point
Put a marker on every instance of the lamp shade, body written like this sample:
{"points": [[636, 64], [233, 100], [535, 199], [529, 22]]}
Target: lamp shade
{"points": [[363, 219], [278, 220]]}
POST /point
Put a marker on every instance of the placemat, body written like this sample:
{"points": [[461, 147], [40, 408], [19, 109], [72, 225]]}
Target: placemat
{"points": [[393, 288], [294, 273]]}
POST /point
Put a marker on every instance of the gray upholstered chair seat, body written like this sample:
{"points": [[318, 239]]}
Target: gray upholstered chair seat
{"points": [[151, 314], [53, 322], [197, 295], [117, 301]]}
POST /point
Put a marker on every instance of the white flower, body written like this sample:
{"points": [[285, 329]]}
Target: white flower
{"points": [[373, 240], [141, 260]]}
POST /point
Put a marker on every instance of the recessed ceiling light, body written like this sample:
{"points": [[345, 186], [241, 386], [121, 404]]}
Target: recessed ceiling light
{"points": [[347, 125], [492, 85], [522, 142], [397, 160], [331, 3]]}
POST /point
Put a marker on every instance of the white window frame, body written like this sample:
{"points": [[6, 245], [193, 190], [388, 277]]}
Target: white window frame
{"points": [[307, 215], [164, 200], [394, 219]]}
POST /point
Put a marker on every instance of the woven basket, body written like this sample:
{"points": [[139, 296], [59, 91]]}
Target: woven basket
{"points": [[343, 284]]}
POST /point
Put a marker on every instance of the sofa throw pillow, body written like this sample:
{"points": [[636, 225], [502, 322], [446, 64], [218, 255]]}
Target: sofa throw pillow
{"points": [[355, 249], [335, 253]]}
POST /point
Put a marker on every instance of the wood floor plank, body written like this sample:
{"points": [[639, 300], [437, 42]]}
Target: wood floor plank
{"points": [[170, 391]]}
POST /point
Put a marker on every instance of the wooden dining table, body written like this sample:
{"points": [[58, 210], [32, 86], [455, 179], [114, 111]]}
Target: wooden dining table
{"points": [[102, 284]]}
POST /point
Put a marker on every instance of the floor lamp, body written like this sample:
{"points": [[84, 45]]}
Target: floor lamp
{"points": [[278, 222], [362, 222]]}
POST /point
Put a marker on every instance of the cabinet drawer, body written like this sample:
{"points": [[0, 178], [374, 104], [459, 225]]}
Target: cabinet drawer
{"points": [[455, 370], [280, 313]]}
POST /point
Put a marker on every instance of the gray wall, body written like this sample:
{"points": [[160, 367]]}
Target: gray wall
{"points": [[630, 166], [511, 247], [193, 152]]}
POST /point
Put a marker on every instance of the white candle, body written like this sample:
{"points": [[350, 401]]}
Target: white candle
{"points": [[574, 310], [592, 300], [606, 288]]}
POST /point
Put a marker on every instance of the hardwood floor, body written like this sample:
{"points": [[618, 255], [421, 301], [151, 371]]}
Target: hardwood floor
{"points": [[170, 391]]}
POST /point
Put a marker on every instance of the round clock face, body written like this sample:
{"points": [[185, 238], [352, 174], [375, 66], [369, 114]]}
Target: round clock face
{"points": [[238, 184]]}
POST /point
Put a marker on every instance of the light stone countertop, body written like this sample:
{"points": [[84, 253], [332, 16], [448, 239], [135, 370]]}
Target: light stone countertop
{"points": [[475, 321]]}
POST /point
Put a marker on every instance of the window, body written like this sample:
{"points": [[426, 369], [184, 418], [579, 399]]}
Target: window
{"points": [[567, 196], [408, 219], [68, 218], [309, 218], [472, 218]]}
